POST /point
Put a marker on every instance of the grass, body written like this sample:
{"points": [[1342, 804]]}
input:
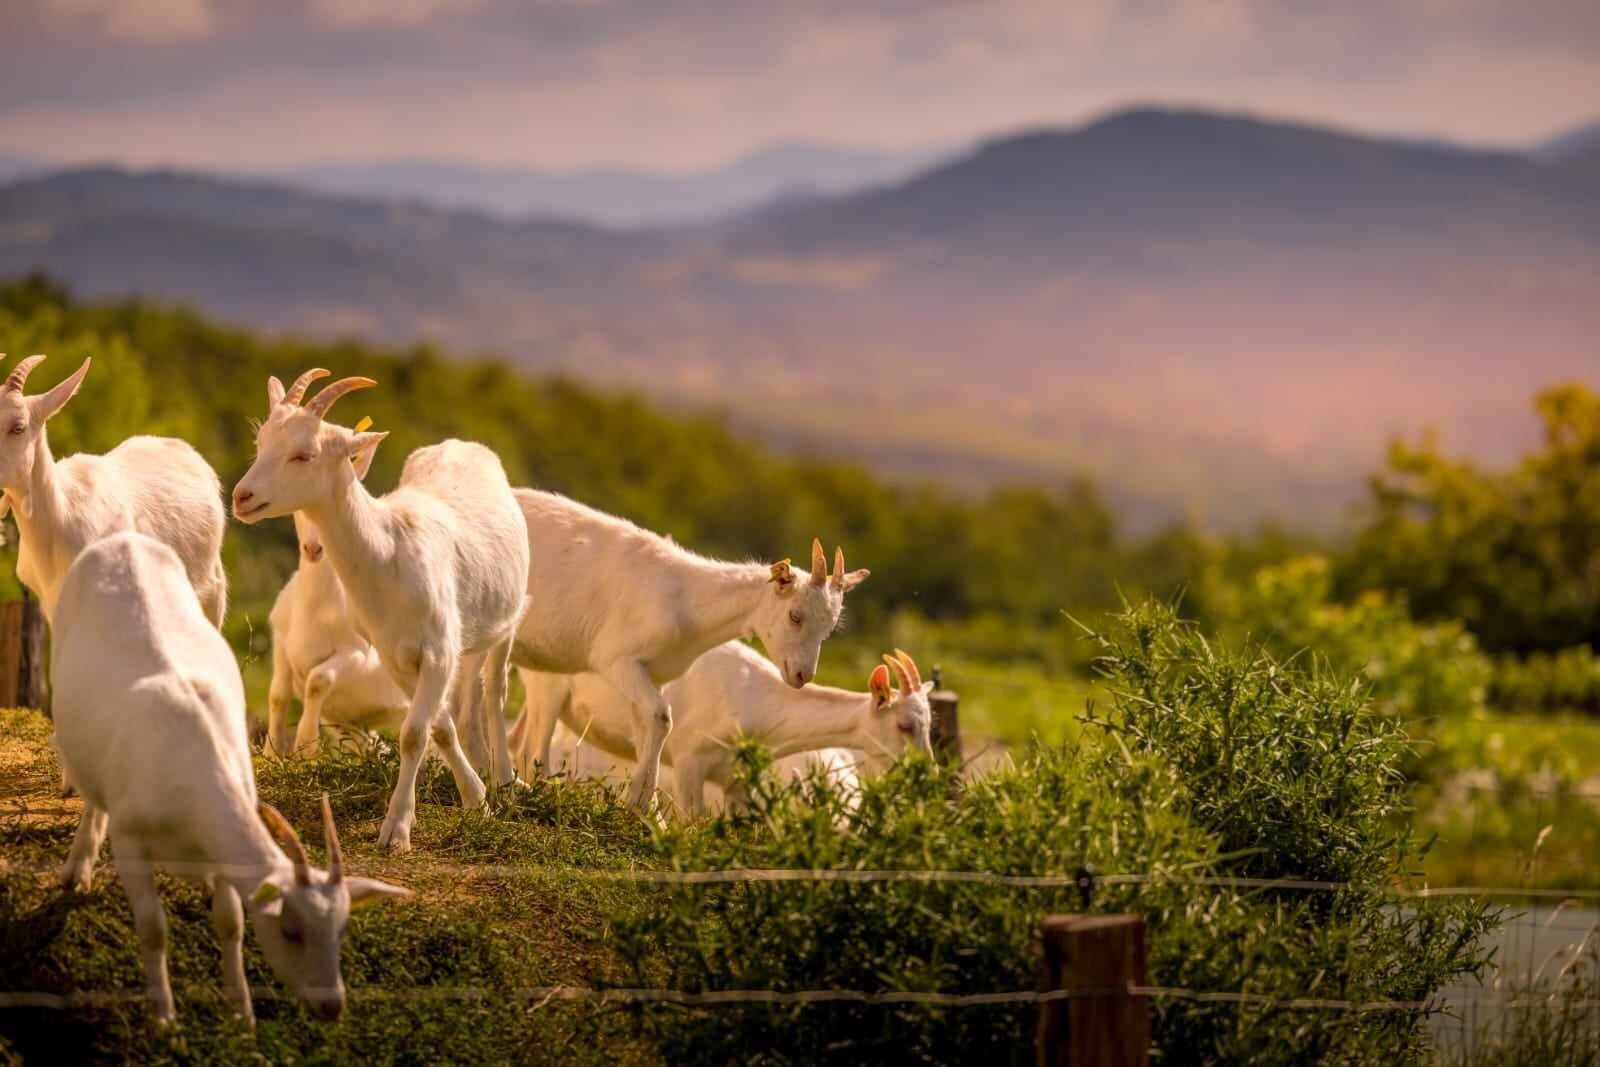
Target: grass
{"points": [[1514, 800], [518, 929]]}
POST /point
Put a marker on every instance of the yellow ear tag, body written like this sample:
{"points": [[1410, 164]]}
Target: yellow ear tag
{"points": [[265, 893], [361, 427]]}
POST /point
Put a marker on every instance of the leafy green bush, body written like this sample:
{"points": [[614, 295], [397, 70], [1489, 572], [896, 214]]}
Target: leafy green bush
{"points": [[1568, 680], [1514, 554], [1414, 670], [1209, 762]]}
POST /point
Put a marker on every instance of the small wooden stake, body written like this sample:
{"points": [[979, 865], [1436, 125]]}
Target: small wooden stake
{"points": [[1099, 957]]}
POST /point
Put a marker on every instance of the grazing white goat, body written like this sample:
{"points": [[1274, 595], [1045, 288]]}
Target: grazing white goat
{"points": [[150, 720], [436, 572], [636, 609], [157, 485], [318, 656], [729, 693]]}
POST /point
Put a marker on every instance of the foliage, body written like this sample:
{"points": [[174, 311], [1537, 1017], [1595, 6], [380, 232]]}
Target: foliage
{"points": [[1210, 762], [1515, 554], [1414, 670], [1568, 680]]}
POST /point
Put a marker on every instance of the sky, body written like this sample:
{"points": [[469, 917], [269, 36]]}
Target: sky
{"points": [[683, 85]]}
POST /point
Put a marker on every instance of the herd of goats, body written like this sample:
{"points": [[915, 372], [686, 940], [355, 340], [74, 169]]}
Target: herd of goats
{"points": [[407, 610]]}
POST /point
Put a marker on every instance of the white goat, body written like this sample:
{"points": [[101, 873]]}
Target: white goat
{"points": [[729, 693], [576, 758], [150, 720], [436, 572], [157, 485], [636, 609], [319, 658]]}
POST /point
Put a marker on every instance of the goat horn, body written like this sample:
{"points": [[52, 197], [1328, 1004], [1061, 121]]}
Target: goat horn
{"points": [[19, 373], [900, 673], [331, 835], [319, 404], [279, 827], [297, 391], [838, 565], [819, 563], [911, 666]]}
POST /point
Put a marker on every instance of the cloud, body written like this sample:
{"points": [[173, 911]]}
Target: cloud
{"points": [[356, 13], [148, 21], [692, 83]]}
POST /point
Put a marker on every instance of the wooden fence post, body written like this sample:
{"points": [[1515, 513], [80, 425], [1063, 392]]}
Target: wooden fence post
{"points": [[1098, 956], [946, 723], [24, 661]]}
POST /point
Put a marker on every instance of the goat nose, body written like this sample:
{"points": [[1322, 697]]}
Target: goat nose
{"points": [[800, 677], [329, 1008], [242, 496]]}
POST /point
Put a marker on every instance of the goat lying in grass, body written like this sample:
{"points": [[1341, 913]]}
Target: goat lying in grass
{"points": [[436, 572], [319, 658], [159, 486], [577, 759], [150, 722], [633, 607], [729, 693]]}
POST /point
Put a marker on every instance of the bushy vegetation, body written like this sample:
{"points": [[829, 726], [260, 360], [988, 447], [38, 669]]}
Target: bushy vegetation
{"points": [[1568, 680], [1208, 760], [1515, 555], [1414, 670]]}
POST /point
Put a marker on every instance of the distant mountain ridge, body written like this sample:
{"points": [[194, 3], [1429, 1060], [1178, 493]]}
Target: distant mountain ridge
{"points": [[1212, 313], [619, 196]]}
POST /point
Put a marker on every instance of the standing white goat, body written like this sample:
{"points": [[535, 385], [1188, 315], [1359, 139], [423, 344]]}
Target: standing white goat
{"points": [[729, 693], [157, 485], [150, 720], [436, 572], [318, 656], [636, 609]]}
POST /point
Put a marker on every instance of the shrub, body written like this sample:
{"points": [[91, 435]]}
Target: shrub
{"points": [[1568, 680], [1413, 670], [1208, 761]]}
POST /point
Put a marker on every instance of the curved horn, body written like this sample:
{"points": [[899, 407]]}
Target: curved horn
{"points": [[319, 404], [279, 827], [297, 391], [900, 673], [19, 373], [910, 665], [819, 563], [331, 836]]}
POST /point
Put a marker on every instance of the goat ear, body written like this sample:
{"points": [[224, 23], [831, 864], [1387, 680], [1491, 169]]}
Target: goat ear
{"points": [[5, 504], [882, 691], [48, 403], [362, 447], [275, 392], [783, 576], [853, 579], [369, 891]]}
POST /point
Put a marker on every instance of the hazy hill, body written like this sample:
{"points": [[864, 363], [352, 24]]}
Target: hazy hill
{"points": [[1211, 312], [619, 196]]}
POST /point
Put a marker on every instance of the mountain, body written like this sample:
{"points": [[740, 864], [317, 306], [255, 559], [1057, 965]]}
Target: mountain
{"points": [[1581, 140], [14, 166], [621, 197], [1214, 314]]}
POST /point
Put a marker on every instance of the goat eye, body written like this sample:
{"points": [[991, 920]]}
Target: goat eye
{"points": [[293, 935], [906, 728], [797, 618], [16, 428], [303, 457]]}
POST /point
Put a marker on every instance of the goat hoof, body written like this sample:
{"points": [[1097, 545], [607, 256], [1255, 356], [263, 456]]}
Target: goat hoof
{"points": [[395, 838], [75, 878]]}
